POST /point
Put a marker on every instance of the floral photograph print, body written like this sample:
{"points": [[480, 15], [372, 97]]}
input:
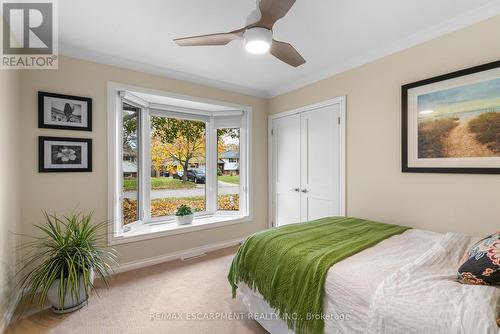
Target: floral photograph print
{"points": [[451, 123], [66, 154], [57, 111], [58, 154]]}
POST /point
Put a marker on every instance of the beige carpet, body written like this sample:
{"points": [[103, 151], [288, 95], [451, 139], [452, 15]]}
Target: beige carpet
{"points": [[198, 285]]}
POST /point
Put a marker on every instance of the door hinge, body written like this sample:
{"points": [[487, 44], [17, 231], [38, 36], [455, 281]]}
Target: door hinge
{"points": [[272, 132], [338, 119]]}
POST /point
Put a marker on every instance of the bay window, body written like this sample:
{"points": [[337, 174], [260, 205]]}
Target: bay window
{"points": [[168, 151]]}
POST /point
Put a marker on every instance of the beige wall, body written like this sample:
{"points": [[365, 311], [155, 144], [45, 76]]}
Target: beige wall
{"points": [[376, 188], [9, 189], [61, 192]]}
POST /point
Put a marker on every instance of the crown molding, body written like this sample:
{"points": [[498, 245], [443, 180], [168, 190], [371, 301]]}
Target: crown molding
{"points": [[72, 51], [480, 14]]}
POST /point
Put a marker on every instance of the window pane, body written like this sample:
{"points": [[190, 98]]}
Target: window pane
{"points": [[228, 163], [130, 160], [178, 165]]}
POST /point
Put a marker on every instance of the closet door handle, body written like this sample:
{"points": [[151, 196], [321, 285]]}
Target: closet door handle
{"points": [[295, 189], [305, 190]]}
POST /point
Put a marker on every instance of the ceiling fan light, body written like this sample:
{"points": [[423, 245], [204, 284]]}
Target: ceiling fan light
{"points": [[258, 40], [257, 46]]}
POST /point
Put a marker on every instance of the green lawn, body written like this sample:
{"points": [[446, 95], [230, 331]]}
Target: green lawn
{"points": [[230, 179], [158, 183]]}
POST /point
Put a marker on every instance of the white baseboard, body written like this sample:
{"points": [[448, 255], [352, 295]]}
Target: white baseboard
{"points": [[9, 312], [127, 266], [184, 254]]}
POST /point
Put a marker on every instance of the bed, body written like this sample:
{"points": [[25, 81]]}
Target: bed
{"points": [[405, 283]]}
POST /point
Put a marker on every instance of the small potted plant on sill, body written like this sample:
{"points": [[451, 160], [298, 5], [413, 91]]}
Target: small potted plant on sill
{"points": [[62, 262], [184, 215]]}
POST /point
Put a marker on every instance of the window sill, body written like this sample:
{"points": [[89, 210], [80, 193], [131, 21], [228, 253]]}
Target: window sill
{"points": [[145, 231]]}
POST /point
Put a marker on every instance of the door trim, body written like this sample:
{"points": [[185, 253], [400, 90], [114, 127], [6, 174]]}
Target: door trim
{"points": [[341, 101]]}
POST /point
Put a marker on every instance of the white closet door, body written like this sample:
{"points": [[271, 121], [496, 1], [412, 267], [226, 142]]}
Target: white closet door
{"points": [[320, 163], [286, 149]]}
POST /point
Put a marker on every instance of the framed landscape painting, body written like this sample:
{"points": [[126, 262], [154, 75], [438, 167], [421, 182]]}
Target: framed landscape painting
{"points": [[58, 154], [451, 123], [67, 112]]}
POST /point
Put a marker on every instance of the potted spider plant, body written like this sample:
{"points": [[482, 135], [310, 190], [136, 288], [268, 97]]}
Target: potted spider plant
{"points": [[64, 260], [184, 215]]}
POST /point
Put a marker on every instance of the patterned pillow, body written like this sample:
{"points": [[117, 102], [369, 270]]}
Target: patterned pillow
{"points": [[482, 262]]}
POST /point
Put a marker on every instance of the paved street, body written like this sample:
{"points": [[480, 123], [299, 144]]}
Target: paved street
{"points": [[224, 189]]}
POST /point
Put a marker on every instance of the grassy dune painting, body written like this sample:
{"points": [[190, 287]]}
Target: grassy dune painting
{"points": [[461, 122]]}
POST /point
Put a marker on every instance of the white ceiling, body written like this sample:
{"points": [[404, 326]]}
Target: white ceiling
{"points": [[332, 35]]}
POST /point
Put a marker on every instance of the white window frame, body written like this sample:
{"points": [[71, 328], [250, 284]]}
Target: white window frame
{"points": [[147, 227]]}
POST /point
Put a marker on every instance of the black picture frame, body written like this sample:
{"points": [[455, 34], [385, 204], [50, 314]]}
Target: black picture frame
{"points": [[404, 123], [41, 154], [41, 112]]}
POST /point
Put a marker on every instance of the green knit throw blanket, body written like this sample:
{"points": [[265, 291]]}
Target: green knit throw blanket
{"points": [[288, 265]]}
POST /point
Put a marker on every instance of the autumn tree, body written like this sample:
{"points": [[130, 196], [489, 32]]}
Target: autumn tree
{"points": [[130, 129], [159, 155], [221, 147], [183, 139], [221, 144]]}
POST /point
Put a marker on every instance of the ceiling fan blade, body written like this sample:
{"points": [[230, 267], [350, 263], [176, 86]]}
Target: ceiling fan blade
{"points": [[212, 39], [286, 53], [272, 11]]}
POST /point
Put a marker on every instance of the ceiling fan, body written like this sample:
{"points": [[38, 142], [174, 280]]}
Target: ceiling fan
{"points": [[258, 36]]}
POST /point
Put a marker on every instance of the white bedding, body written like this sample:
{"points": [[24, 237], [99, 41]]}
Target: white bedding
{"points": [[424, 297], [359, 289]]}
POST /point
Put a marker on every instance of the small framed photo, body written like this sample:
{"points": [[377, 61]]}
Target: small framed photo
{"points": [[58, 154], [57, 111], [451, 123]]}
